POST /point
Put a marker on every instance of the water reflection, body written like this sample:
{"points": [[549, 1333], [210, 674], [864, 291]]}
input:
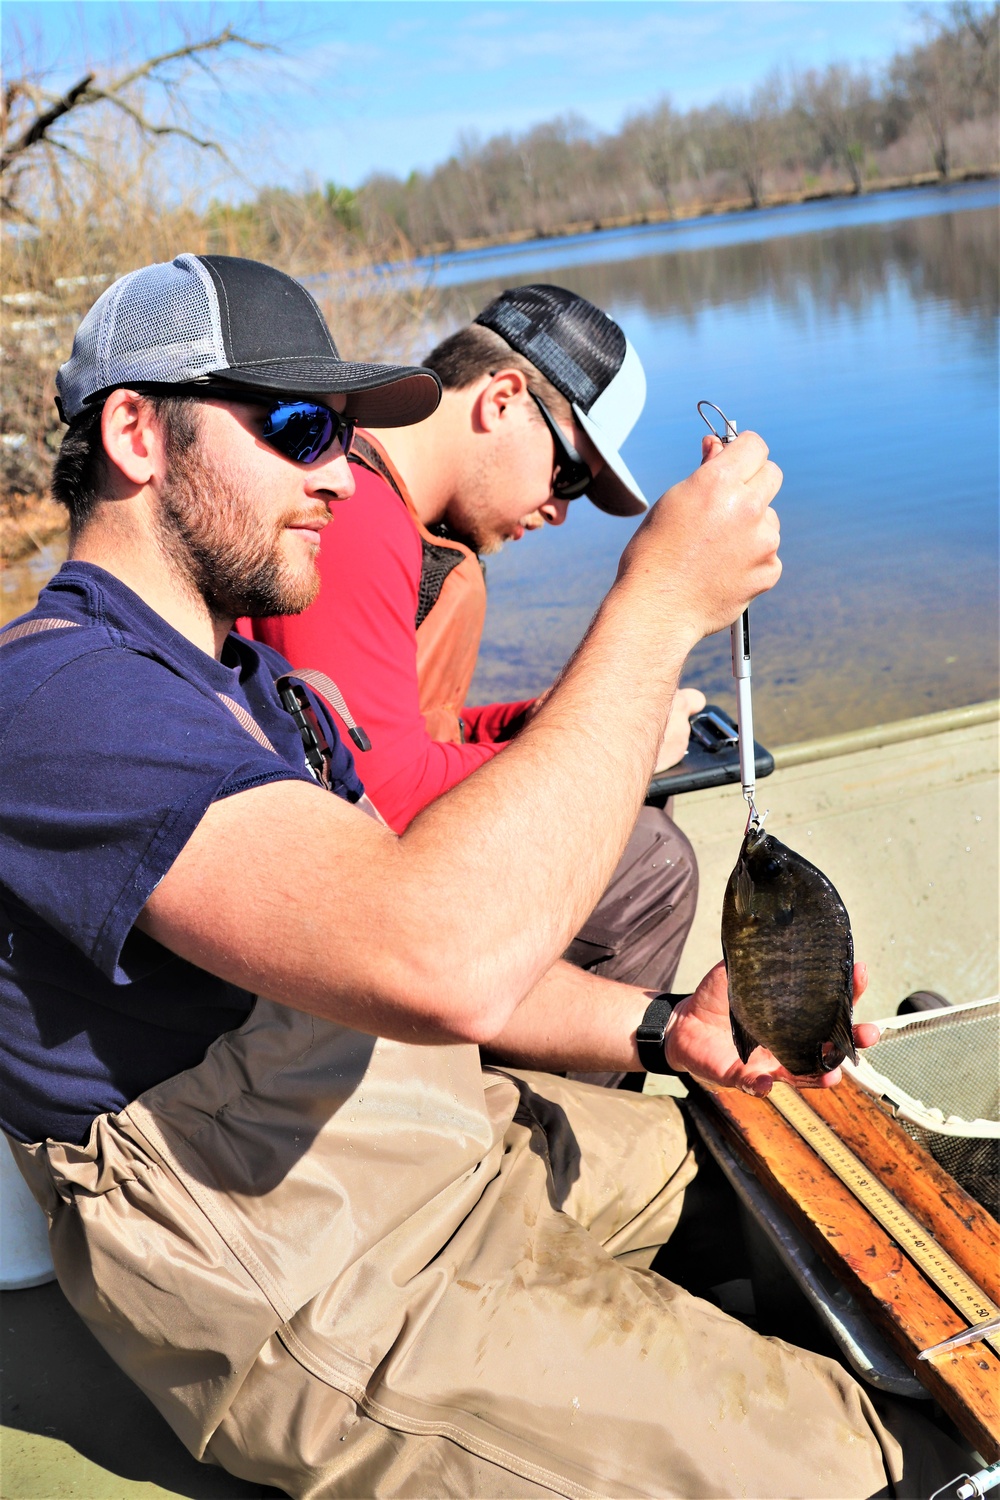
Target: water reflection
{"points": [[951, 256], [867, 358], [537, 259]]}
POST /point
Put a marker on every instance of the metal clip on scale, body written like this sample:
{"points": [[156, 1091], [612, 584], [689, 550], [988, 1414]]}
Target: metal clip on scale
{"points": [[739, 633]]}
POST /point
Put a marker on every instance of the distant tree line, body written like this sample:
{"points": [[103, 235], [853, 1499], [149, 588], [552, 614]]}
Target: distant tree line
{"points": [[933, 109]]}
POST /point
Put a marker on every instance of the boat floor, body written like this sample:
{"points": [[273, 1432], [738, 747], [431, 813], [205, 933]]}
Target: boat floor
{"points": [[903, 820], [74, 1425]]}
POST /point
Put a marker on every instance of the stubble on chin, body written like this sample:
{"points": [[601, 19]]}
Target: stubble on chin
{"points": [[214, 527], [490, 545]]}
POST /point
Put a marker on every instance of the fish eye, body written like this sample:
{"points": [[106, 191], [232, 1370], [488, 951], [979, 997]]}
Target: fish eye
{"points": [[772, 867]]}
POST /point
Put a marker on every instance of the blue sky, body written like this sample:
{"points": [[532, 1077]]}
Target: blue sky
{"points": [[391, 85]]}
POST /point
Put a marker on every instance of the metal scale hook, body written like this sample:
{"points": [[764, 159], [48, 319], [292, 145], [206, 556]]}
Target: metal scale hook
{"points": [[739, 633]]}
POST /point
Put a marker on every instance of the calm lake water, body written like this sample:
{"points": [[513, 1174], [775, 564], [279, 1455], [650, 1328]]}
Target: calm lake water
{"points": [[859, 337]]}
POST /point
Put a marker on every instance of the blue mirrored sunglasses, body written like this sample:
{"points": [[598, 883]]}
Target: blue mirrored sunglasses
{"points": [[299, 430], [304, 430]]}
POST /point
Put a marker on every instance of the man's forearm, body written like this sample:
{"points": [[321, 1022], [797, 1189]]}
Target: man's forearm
{"points": [[573, 1021], [439, 934], [521, 822]]}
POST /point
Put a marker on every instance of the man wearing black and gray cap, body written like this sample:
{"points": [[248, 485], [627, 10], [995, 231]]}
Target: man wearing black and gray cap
{"points": [[244, 1084], [540, 393]]}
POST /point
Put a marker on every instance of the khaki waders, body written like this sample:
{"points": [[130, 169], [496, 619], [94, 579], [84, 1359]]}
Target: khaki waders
{"points": [[350, 1267]]}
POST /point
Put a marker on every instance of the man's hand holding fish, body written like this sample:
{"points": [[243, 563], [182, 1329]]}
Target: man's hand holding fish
{"points": [[699, 1041]]}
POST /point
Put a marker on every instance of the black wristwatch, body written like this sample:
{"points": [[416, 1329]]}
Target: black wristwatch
{"points": [[652, 1030]]}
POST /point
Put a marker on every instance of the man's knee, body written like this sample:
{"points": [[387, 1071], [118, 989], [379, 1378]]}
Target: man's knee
{"points": [[672, 862], [637, 930]]}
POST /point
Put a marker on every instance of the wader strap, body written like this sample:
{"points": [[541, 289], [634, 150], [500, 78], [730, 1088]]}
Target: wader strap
{"points": [[11, 633], [316, 680], [438, 558], [34, 627], [368, 457], [317, 751], [329, 690], [247, 721]]}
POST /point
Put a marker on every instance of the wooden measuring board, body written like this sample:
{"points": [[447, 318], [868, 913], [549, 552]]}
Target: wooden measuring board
{"points": [[940, 1251]]}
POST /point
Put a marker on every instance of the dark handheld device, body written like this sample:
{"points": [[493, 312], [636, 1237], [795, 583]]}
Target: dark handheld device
{"points": [[712, 759]]}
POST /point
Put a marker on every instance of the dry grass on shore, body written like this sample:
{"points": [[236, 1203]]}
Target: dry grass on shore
{"points": [[28, 523]]}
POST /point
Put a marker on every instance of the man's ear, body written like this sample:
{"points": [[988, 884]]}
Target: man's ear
{"points": [[501, 390], [132, 438]]}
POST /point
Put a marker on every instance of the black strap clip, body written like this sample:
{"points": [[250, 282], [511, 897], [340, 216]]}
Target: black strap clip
{"points": [[318, 753]]}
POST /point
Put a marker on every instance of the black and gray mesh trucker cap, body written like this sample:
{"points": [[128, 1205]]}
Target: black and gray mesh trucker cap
{"points": [[219, 320], [589, 360]]}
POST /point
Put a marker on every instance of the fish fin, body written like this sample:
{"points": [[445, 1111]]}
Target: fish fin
{"points": [[743, 894], [742, 1040], [840, 1043]]}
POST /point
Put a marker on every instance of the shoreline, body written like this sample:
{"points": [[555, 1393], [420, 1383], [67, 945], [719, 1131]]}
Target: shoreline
{"points": [[696, 209], [30, 523]]}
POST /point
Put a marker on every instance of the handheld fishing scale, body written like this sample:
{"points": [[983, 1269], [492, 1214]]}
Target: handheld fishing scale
{"points": [[739, 635]]}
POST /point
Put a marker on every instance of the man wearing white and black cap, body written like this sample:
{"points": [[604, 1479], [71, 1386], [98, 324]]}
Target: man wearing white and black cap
{"points": [[219, 322], [244, 1084], [587, 358], [540, 393]]}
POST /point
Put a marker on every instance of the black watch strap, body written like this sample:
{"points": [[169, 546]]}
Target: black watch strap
{"points": [[651, 1031]]}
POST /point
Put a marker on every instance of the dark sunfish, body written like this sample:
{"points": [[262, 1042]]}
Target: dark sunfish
{"points": [[786, 939]]}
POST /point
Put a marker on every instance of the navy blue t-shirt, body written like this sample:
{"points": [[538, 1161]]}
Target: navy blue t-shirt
{"points": [[116, 735]]}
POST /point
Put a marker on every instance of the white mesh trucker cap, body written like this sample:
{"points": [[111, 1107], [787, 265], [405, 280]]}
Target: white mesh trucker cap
{"points": [[589, 360], [220, 320]]}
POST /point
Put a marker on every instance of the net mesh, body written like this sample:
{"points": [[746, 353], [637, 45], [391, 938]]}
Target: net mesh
{"points": [[945, 1069], [157, 324], [437, 563], [575, 345]]}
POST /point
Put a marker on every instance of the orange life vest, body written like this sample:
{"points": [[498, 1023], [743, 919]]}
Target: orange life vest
{"points": [[451, 608]]}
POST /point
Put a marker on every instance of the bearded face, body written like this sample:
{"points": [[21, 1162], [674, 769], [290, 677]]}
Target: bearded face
{"points": [[222, 532]]}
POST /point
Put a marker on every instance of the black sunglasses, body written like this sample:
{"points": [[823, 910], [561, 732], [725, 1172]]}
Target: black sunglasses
{"points": [[571, 476], [299, 430], [304, 430]]}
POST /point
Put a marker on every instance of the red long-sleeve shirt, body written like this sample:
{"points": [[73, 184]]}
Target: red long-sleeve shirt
{"points": [[361, 631]]}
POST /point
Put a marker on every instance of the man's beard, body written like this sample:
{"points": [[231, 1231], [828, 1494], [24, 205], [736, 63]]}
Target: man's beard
{"points": [[479, 513], [488, 543], [210, 524], [483, 540], [474, 523]]}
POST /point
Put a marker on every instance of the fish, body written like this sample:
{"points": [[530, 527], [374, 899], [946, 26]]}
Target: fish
{"points": [[789, 952]]}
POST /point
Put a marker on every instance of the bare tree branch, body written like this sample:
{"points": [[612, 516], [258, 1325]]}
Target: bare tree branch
{"points": [[225, 38], [149, 128], [42, 123], [51, 109]]}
